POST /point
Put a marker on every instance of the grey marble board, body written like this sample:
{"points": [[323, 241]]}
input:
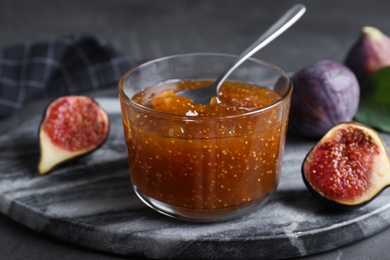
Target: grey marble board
{"points": [[90, 203]]}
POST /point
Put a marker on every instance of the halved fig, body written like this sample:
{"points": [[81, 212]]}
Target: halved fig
{"points": [[349, 166], [72, 126]]}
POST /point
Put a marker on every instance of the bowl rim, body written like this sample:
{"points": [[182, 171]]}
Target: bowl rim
{"points": [[124, 97]]}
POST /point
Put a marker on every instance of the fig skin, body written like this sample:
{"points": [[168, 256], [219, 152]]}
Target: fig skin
{"points": [[325, 93], [80, 127], [338, 181], [370, 53]]}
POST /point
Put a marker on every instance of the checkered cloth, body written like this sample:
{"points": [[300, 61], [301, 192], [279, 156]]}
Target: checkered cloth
{"points": [[56, 67]]}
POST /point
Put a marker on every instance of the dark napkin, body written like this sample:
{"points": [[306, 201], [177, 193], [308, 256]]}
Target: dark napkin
{"points": [[55, 67]]}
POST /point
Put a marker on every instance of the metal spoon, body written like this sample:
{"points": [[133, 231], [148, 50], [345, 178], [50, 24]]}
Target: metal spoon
{"points": [[204, 95]]}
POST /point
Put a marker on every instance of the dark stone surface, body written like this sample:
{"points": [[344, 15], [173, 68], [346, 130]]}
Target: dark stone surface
{"points": [[148, 29], [90, 203]]}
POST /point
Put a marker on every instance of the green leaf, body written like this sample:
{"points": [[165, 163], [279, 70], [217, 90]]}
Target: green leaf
{"points": [[377, 85], [375, 114], [374, 106]]}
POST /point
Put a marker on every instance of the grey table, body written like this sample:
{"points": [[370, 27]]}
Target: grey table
{"points": [[149, 29]]}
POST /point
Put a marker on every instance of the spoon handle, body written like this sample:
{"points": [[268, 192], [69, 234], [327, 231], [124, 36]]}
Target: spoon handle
{"points": [[281, 25]]}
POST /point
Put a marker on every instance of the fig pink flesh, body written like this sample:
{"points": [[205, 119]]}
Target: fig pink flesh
{"points": [[340, 167], [75, 123]]}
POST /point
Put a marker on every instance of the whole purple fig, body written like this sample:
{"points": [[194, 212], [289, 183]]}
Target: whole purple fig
{"points": [[370, 53], [325, 93]]}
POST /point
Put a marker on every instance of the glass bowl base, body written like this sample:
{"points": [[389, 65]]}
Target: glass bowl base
{"points": [[201, 215]]}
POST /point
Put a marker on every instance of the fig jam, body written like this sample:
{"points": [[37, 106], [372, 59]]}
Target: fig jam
{"points": [[222, 156]]}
